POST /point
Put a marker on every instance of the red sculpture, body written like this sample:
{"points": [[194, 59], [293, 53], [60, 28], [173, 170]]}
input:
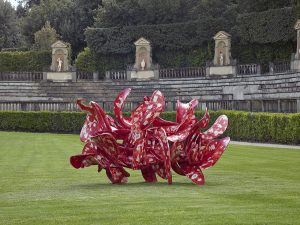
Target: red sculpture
{"points": [[150, 143]]}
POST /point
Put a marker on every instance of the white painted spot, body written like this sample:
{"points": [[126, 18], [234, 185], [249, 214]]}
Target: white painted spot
{"points": [[194, 176]]}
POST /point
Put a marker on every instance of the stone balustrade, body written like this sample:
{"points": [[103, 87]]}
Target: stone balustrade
{"points": [[248, 69], [282, 66], [20, 76], [84, 75], [275, 106], [116, 75], [182, 72]]}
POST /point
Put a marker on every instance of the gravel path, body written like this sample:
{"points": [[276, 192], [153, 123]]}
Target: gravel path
{"points": [[265, 144]]}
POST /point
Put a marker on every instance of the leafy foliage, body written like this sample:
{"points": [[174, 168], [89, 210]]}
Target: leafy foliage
{"points": [[24, 61], [89, 61], [176, 36], [244, 126], [45, 37], [9, 30], [68, 18], [263, 53], [266, 27]]}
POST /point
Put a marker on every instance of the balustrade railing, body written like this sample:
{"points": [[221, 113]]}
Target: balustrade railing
{"points": [[84, 75], [182, 72], [20, 76], [282, 66], [117, 74], [248, 69], [284, 105]]}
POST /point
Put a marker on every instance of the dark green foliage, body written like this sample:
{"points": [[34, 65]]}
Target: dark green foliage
{"points": [[247, 6], [89, 61], [176, 36], [263, 53], [44, 121], [266, 27], [24, 61], [242, 126], [22, 49], [9, 30], [68, 18]]}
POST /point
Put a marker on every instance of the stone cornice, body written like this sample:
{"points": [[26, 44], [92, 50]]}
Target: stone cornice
{"points": [[221, 35], [142, 41]]}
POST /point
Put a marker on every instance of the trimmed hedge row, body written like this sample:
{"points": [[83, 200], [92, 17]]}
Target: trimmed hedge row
{"points": [[24, 61], [244, 126]]}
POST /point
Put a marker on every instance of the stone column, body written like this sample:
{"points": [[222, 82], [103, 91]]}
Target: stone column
{"points": [[95, 76], [107, 75], [295, 58], [297, 28], [271, 68]]}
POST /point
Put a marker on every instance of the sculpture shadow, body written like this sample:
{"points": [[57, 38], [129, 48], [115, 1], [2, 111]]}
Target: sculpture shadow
{"points": [[130, 185]]}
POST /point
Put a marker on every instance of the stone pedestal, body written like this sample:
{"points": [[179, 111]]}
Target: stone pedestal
{"points": [[143, 74], [61, 76]]}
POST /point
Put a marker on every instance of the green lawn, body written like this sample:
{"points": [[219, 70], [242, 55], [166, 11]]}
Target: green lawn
{"points": [[248, 185]]}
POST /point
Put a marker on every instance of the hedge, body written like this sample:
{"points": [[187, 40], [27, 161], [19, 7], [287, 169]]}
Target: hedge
{"points": [[24, 61], [272, 26], [242, 126], [175, 36], [22, 49]]}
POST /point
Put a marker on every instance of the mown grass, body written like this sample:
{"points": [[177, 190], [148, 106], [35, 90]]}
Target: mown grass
{"points": [[248, 185]]}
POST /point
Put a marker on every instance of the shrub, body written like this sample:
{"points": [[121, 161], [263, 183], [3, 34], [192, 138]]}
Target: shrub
{"points": [[24, 61], [242, 126]]}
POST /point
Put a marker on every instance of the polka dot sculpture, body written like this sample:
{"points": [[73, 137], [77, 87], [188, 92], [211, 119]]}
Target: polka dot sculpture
{"points": [[150, 144]]}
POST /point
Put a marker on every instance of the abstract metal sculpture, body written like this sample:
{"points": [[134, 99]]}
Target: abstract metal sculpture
{"points": [[150, 143]]}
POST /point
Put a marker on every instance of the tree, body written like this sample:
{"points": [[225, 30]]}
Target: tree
{"points": [[68, 18], [21, 10], [9, 30], [248, 6], [45, 37]]}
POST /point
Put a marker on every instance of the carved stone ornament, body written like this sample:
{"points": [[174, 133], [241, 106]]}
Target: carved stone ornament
{"points": [[221, 44], [59, 44], [142, 41], [297, 25], [59, 52], [221, 35]]}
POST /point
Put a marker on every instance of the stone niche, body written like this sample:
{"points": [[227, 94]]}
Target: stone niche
{"points": [[222, 47], [59, 52], [143, 68], [222, 63], [295, 59], [60, 70]]}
